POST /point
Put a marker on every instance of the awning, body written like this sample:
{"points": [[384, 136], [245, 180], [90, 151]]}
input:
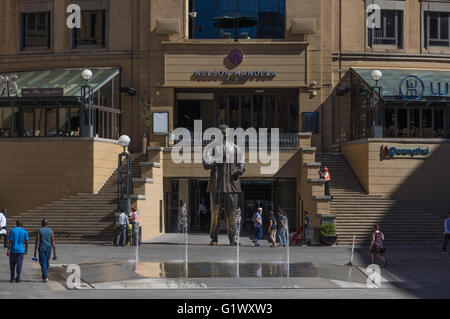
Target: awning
{"points": [[409, 84], [69, 80]]}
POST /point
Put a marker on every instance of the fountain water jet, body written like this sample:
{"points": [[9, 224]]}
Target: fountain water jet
{"points": [[183, 228]]}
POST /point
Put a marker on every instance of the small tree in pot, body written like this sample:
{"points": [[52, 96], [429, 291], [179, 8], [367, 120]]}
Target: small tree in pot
{"points": [[146, 117], [328, 234]]}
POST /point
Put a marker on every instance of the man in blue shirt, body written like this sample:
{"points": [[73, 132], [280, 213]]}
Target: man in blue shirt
{"points": [[17, 248], [446, 234]]}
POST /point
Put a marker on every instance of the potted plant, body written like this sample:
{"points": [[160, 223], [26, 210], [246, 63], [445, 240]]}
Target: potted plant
{"points": [[328, 234], [146, 116]]}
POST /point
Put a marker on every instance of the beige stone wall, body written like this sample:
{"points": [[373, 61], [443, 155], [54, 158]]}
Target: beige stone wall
{"points": [[105, 162], [152, 208], [423, 182], [35, 172], [357, 155]]}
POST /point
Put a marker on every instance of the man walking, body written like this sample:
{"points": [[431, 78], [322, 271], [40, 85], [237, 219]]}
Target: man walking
{"points": [[45, 242], [3, 229], [17, 248], [446, 234], [272, 228], [121, 237], [258, 225]]}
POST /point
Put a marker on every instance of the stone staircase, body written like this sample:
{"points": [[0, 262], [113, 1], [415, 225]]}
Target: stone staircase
{"points": [[357, 212], [82, 217]]}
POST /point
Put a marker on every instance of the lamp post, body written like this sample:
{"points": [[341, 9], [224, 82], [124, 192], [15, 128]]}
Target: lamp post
{"points": [[87, 115], [376, 75], [124, 198]]}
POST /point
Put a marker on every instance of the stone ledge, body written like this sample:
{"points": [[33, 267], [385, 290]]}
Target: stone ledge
{"points": [[313, 164], [322, 198], [308, 149], [151, 164], [317, 180], [139, 197], [143, 180], [326, 215], [152, 148]]}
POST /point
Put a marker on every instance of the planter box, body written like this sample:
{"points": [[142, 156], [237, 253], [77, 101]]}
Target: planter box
{"points": [[328, 240]]}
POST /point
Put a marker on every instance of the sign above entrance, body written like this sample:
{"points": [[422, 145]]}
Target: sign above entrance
{"points": [[396, 152], [412, 88], [39, 92], [259, 75]]}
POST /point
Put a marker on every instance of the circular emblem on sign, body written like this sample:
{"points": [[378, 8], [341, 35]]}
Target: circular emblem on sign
{"points": [[236, 57], [411, 88]]}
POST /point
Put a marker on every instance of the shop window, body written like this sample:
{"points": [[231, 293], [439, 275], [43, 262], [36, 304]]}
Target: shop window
{"points": [[402, 123], [414, 123], [439, 123], [93, 29], [260, 19], [390, 123], [390, 31], [427, 123], [28, 122], [35, 30], [246, 109], [437, 28]]}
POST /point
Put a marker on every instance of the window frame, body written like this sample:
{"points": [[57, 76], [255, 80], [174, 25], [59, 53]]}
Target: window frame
{"points": [[76, 33], [427, 29], [23, 28], [399, 25]]}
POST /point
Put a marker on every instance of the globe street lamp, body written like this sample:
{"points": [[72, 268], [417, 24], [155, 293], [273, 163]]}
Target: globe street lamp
{"points": [[124, 198], [87, 115], [377, 131]]}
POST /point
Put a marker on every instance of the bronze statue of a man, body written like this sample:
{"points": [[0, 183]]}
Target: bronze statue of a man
{"points": [[226, 163]]}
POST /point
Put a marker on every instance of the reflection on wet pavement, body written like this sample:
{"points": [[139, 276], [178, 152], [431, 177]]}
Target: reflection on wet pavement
{"points": [[117, 272]]}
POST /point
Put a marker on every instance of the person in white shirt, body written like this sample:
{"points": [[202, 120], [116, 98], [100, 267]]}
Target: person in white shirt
{"points": [[3, 230]]}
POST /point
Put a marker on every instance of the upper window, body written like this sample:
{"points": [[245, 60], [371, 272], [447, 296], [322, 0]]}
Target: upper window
{"points": [[92, 31], [390, 31], [35, 30], [218, 19], [437, 28]]}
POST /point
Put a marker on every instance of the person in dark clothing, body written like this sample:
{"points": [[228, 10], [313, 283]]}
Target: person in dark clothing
{"points": [[45, 243]]}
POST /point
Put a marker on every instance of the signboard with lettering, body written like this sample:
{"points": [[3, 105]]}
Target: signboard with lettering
{"points": [[42, 92], [390, 152], [412, 88]]}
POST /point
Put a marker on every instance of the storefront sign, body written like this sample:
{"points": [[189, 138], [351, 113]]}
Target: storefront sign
{"points": [[396, 152], [412, 88], [37, 92], [250, 75], [8, 85]]}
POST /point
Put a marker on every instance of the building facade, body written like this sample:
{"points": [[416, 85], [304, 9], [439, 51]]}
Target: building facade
{"points": [[300, 66]]}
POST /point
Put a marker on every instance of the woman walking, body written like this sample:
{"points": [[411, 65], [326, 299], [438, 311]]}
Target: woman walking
{"points": [[376, 245]]}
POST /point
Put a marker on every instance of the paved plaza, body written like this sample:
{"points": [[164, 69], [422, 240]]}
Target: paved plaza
{"points": [[158, 270]]}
